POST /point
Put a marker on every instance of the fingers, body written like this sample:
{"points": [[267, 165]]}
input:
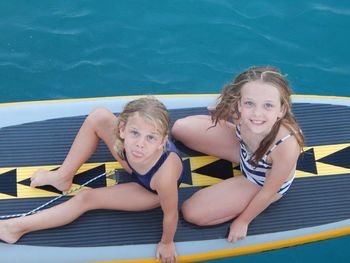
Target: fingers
{"points": [[166, 252], [35, 178], [169, 260], [32, 181], [238, 231], [234, 238], [172, 259]]}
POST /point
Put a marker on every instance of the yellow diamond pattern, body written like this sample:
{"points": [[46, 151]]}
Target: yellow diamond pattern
{"points": [[197, 162]]}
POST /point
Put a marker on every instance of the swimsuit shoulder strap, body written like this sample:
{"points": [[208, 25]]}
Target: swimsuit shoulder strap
{"points": [[278, 143], [238, 132]]}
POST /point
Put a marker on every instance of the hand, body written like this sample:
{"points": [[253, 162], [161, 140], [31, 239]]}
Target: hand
{"points": [[238, 231], [166, 252]]}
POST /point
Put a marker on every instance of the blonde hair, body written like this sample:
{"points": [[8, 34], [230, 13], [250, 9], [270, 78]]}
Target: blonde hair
{"points": [[227, 106], [148, 108]]}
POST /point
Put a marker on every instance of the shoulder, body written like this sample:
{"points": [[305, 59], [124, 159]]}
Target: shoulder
{"points": [[170, 171], [173, 163], [288, 147]]}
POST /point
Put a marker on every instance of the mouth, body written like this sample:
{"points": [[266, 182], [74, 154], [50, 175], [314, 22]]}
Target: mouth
{"points": [[137, 154], [257, 122]]}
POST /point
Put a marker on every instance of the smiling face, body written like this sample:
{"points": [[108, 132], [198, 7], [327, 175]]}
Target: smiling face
{"points": [[143, 141], [260, 106]]}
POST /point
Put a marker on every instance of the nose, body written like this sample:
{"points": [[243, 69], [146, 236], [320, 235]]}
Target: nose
{"points": [[140, 142], [258, 111]]}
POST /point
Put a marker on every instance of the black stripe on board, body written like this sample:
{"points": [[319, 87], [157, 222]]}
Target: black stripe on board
{"points": [[48, 142], [308, 203]]}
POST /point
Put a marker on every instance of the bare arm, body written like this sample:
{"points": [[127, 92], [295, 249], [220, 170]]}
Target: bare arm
{"points": [[166, 186], [284, 160]]}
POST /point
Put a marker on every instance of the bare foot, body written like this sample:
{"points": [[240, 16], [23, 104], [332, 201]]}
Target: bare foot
{"points": [[8, 232], [54, 178]]}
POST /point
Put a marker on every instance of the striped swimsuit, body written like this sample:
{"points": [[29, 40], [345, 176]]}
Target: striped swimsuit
{"points": [[257, 174]]}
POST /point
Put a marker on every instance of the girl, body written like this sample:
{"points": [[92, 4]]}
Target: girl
{"points": [[252, 124], [138, 139]]}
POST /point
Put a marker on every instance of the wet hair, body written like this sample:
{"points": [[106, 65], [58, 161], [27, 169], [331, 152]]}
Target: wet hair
{"points": [[227, 105], [150, 109]]}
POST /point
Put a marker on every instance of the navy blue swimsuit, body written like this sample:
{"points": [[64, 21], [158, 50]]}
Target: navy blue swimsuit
{"points": [[145, 179]]}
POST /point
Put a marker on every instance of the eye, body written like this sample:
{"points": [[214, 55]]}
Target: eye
{"points": [[151, 138], [268, 106], [134, 133], [248, 103]]}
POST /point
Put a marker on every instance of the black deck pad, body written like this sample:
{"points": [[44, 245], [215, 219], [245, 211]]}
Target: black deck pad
{"points": [[310, 201]]}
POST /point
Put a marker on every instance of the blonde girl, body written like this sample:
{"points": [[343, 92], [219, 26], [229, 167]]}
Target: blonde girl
{"points": [[252, 124], [138, 139]]}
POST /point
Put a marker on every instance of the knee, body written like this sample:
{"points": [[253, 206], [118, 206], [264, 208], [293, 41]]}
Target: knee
{"points": [[179, 128], [83, 198], [99, 116], [192, 215]]}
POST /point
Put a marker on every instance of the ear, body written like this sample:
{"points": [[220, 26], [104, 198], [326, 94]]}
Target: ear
{"points": [[239, 106], [282, 112], [121, 130], [162, 145]]}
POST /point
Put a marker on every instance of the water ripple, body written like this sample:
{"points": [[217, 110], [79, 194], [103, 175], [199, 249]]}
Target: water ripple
{"points": [[7, 65], [91, 50], [89, 63], [164, 79], [13, 54], [330, 69], [225, 22], [55, 31], [73, 14], [331, 9], [230, 5], [212, 65]]}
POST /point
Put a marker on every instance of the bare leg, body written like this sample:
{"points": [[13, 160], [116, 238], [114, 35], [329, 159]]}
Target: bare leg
{"points": [[219, 141], [220, 202], [100, 124], [112, 197], [223, 201]]}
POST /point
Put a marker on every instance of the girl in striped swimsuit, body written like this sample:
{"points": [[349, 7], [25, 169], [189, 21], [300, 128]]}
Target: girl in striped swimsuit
{"points": [[252, 124]]}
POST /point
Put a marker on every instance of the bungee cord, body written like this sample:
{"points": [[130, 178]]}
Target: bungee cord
{"points": [[37, 209]]}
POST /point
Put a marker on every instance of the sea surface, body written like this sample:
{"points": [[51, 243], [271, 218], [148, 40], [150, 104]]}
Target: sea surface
{"points": [[75, 49]]}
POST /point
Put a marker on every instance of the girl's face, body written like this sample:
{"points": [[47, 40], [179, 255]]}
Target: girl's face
{"points": [[143, 143], [260, 106]]}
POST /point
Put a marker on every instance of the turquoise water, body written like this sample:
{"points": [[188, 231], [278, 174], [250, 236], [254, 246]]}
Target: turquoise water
{"points": [[73, 49], [332, 250]]}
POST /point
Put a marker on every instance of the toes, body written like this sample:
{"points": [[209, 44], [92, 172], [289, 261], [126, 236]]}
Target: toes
{"points": [[35, 179]]}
